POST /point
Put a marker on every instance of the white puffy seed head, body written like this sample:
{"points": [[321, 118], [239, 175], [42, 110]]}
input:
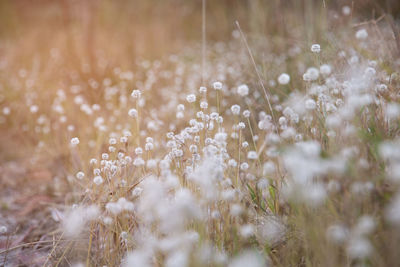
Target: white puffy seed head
{"points": [[80, 175], [74, 141], [235, 109], [203, 105], [136, 94], [243, 90], [98, 180], [217, 85], [112, 141], [284, 78], [346, 10], [310, 104], [191, 98], [203, 90], [325, 69], [316, 48], [133, 113], [3, 229], [149, 146], [252, 155], [362, 34]]}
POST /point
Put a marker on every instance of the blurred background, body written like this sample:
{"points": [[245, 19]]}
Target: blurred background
{"points": [[127, 29]]}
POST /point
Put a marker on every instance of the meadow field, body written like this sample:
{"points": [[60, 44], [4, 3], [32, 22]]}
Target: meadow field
{"points": [[200, 133]]}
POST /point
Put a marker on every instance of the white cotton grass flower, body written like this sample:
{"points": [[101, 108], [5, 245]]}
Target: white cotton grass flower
{"points": [[325, 69], [252, 155], [362, 34], [311, 74], [248, 258], [80, 175], [133, 113], [3, 230], [98, 180], [203, 105], [337, 234], [203, 90], [359, 248], [310, 104], [217, 85], [346, 10], [247, 230], [284, 79], [243, 90], [366, 225], [76, 219], [191, 98], [392, 212], [75, 141], [235, 109], [316, 48], [137, 258], [136, 94]]}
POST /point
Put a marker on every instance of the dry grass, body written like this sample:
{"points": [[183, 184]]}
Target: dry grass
{"points": [[306, 173]]}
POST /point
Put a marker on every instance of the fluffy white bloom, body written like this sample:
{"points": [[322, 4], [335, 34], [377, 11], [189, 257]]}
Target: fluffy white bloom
{"points": [[252, 155], [310, 104], [3, 230], [315, 48], [98, 180], [203, 90], [284, 78], [217, 85], [80, 175], [133, 113], [362, 34], [346, 10], [311, 74], [325, 69], [243, 90], [359, 248], [75, 219], [249, 259], [74, 141], [191, 98], [337, 233], [235, 109], [136, 93]]}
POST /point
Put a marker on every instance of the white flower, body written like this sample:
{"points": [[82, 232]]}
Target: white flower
{"points": [[284, 78], [136, 93], [80, 175], [315, 48], [203, 105], [217, 85], [310, 104], [191, 98], [252, 155], [75, 141], [325, 69], [3, 229], [235, 109], [243, 90], [362, 34], [203, 90], [346, 10], [311, 74], [98, 180], [133, 113]]}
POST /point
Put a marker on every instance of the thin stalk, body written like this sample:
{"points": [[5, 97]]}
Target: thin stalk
{"points": [[255, 68]]}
